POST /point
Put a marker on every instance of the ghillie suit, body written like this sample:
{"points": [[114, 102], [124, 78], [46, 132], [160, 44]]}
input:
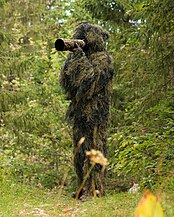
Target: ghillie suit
{"points": [[86, 78]]}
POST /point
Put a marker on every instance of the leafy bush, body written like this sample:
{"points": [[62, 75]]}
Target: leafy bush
{"points": [[143, 153]]}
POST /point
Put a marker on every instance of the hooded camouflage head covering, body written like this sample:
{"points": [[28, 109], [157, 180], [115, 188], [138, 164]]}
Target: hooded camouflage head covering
{"points": [[93, 35]]}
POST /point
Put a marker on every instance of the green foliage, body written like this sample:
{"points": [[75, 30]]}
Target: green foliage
{"points": [[35, 140], [142, 137]]}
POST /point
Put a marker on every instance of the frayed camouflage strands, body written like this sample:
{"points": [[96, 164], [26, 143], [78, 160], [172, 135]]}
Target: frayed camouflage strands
{"points": [[86, 78]]}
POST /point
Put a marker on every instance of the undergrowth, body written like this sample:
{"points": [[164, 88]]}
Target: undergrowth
{"points": [[24, 200]]}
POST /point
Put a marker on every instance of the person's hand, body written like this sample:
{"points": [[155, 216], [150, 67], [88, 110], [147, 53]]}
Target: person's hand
{"points": [[77, 48], [78, 51]]}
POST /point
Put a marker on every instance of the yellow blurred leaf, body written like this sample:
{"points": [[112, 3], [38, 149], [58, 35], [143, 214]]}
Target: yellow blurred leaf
{"points": [[149, 206]]}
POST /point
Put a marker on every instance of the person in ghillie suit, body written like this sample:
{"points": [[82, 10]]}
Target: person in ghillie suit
{"points": [[86, 78]]}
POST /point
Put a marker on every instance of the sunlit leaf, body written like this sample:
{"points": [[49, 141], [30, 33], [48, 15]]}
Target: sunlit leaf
{"points": [[138, 6], [149, 206]]}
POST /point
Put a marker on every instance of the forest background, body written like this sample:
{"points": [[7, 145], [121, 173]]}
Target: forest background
{"points": [[35, 139]]}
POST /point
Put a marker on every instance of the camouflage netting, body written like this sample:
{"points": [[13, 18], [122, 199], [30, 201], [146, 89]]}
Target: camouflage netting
{"points": [[86, 78]]}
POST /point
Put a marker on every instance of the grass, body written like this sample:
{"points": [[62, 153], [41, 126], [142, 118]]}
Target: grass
{"points": [[21, 200]]}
